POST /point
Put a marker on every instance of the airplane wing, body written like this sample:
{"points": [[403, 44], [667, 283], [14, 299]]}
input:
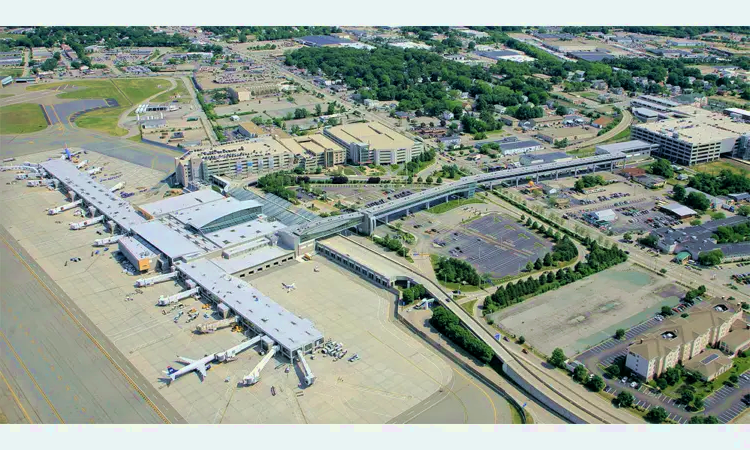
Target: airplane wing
{"points": [[202, 369], [184, 360]]}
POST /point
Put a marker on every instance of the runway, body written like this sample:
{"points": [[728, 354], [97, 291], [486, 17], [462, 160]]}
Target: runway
{"points": [[55, 365]]}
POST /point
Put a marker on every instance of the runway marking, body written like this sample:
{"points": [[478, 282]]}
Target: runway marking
{"points": [[15, 397], [26, 369], [96, 343]]}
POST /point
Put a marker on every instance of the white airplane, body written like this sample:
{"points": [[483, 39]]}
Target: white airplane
{"points": [[202, 366], [289, 287], [82, 164]]}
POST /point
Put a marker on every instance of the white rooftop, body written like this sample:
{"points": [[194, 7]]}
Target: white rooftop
{"points": [[137, 248], [680, 210], [179, 202], [172, 241], [202, 215], [111, 205], [242, 262], [287, 329], [243, 232]]}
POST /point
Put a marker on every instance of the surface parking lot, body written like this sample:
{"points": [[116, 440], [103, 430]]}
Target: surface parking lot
{"points": [[494, 244]]}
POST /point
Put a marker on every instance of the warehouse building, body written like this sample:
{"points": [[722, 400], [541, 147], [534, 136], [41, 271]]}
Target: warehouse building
{"points": [[682, 212], [694, 140], [373, 143], [236, 160], [314, 150], [519, 147]]}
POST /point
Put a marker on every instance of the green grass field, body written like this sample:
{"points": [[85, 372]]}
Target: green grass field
{"points": [[127, 92], [447, 206], [715, 167], [10, 72], [180, 90], [469, 306], [6, 95], [21, 118]]}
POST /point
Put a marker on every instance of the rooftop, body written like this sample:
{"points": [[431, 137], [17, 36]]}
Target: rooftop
{"points": [[114, 207], [202, 215], [310, 145], [698, 130], [173, 241], [708, 363], [254, 258], [626, 147], [284, 327], [680, 210], [323, 40], [179, 202], [373, 133], [241, 150]]}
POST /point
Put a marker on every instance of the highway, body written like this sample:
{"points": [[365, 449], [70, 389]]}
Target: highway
{"points": [[56, 366]]}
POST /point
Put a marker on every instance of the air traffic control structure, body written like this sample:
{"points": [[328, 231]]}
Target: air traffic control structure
{"points": [[201, 239]]}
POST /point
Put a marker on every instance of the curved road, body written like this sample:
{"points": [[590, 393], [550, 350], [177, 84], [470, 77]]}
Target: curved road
{"points": [[627, 119]]}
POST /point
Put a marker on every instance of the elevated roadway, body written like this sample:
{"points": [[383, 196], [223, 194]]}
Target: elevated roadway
{"points": [[466, 186]]}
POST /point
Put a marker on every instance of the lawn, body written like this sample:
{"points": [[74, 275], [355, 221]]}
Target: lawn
{"points": [[740, 365], [469, 306], [6, 95], [127, 92], [715, 167], [181, 89], [10, 72], [21, 118], [447, 206]]}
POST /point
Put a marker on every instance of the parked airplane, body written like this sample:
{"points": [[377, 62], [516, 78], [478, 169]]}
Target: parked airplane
{"points": [[202, 366], [289, 287]]}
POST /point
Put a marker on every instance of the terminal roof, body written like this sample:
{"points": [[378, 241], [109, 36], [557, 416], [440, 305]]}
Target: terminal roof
{"points": [[117, 209], [269, 317]]}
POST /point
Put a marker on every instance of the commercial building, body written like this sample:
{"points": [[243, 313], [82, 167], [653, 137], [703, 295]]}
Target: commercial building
{"points": [[240, 94], [605, 215], [572, 134], [250, 130], [633, 148], [702, 138], [323, 41], [517, 147], [737, 340], [678, 340], [742, 114], [545, 158], [373, 143], [699, 238], [679, 211], [237, 160], [650, 181], [315, 150]]}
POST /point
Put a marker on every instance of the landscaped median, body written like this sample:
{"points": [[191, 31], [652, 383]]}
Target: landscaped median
{"points": [[452, 204]]}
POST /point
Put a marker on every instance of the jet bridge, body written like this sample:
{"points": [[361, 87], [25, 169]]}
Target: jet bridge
{"points": [[231, 354], [108, 241], [309, 376], [65, 207], [117, 187], [254, 376], [85, 223], [143, 282], [164, 301], [210, 327]]}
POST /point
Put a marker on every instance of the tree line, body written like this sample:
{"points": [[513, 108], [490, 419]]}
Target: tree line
{"points": [[598, 259], [449, 325], [456, 271], [725, 183]]}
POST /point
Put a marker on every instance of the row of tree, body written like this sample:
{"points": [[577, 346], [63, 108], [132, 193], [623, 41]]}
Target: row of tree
{"points": [[456, 271], [696, 200], [588, 181], [598, 259], [393, 244], [449, 325], [276, 183]]}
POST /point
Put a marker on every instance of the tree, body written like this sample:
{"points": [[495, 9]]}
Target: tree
{"points": [[318, 110], [661, 383], [429, 180], [538, 264], [561, 110], [558, 358], [744, 210], [734, 378], [712, 258], [662, 167], [628, 236], [620, 333], [548, 260], [521, 340], [439, 180], [625, 399], [580, 374], [678, 193], [666, 311], [698, 403], [687, 397], [697, 200], [672, 375], [657, 415], [613, 370], [595, 383], [529, 266]]}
